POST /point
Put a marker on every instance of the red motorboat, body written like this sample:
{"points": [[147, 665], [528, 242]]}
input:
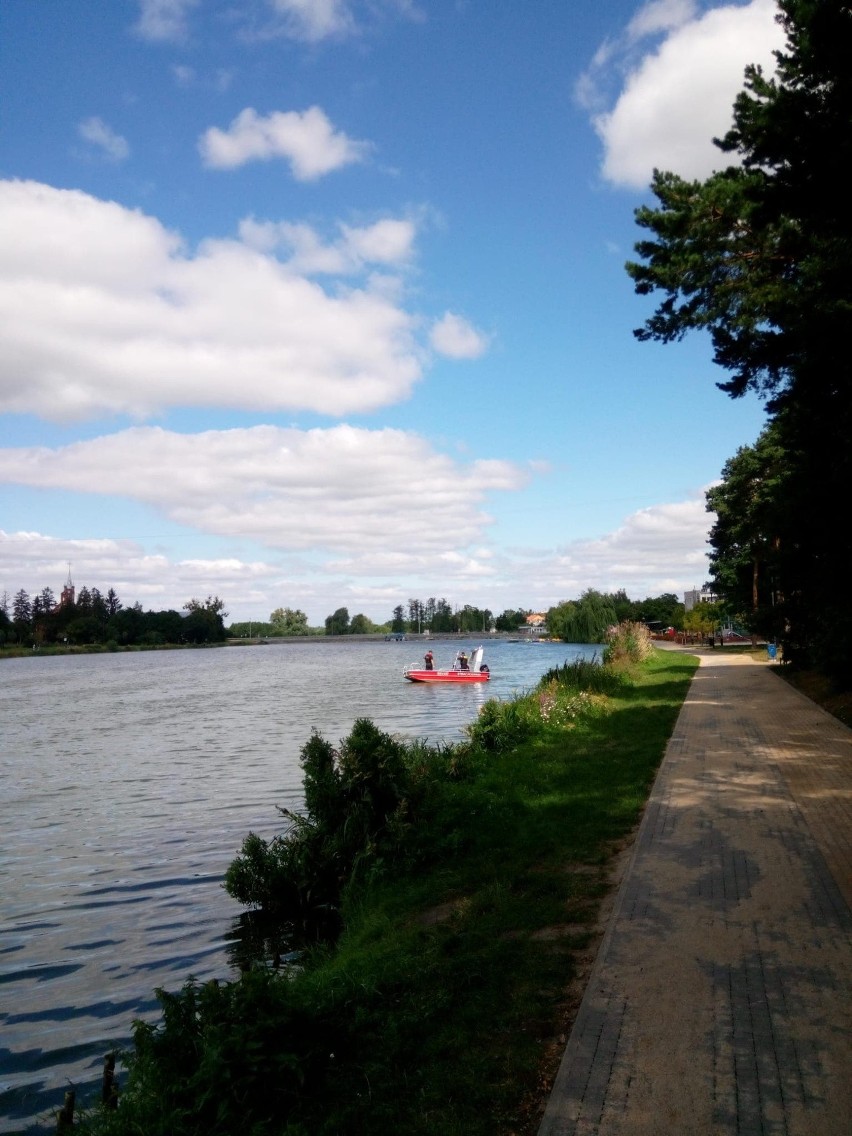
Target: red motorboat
{"points": [[474, 671]]}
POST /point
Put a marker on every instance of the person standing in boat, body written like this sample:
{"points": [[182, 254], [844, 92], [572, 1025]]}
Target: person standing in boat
{"points": [[462, 661], [428, 660]]}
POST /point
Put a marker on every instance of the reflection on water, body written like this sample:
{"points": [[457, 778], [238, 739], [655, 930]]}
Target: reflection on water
{"points": [[256, 937], [127, 783]]}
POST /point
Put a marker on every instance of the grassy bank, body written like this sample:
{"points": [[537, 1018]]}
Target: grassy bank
{"points": [[443, 1005]]}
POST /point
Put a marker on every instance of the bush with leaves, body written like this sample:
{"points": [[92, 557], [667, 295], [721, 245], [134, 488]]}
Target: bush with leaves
{"points": [[503, 725], [357, 804], [228, 1058]]}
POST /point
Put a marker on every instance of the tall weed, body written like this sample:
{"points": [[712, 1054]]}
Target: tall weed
{"points": [[628, 643], [586, 675]]}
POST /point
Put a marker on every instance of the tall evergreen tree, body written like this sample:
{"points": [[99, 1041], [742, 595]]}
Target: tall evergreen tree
{"points": [[758, 255], [22, 608], [398, 620]]}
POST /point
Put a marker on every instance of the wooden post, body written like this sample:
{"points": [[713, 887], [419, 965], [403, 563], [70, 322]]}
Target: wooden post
{"points": [[109, 1089], [65, 1116]]}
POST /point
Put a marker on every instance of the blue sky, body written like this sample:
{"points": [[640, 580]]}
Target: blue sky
{"points": [[322, 303]]}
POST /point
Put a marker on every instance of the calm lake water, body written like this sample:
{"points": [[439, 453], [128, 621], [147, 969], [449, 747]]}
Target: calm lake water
{"points": [[127, 783]]}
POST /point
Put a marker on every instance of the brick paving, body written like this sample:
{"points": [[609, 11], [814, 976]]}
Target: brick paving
{"points": [[719, 1002]]}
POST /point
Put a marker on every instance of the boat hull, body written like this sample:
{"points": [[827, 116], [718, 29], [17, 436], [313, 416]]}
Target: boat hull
{"points": [[458, 677]]}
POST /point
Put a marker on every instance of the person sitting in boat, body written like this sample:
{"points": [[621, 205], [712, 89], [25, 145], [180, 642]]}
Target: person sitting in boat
{"points": [[429, 661], [463, 661]]}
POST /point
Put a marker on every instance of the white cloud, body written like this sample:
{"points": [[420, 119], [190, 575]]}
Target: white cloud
{"points": [[387, 243], [660, 16], [662, 548], [95, 131], [102, 309], [313, 20], [453, 336], [658, 549], [184, 75], [306, 139], [34, 561], [342, 489], [679, 94], [164, 20]]}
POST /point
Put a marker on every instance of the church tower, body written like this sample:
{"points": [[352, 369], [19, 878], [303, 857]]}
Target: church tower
{"points": [[66, 599]]}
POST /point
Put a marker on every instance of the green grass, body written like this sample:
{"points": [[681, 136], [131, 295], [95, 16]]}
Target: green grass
{"points": [[439, 1008]]}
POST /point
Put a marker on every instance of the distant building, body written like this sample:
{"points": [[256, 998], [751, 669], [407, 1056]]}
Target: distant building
{"points": [[699, 595], [66, 597]]}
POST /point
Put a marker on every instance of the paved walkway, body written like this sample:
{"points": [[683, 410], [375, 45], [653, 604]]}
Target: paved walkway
{"points": [[720, 999]]}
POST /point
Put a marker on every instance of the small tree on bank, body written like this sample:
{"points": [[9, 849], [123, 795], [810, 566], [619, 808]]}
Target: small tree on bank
{"points": [[288, 621], [338, 622]]}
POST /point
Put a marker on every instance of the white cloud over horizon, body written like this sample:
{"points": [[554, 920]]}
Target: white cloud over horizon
{"points": [[33, 561], [677, 94], [656, 550], [665, 543]]}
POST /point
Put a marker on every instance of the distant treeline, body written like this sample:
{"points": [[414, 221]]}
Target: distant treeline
{"points": [[86, 616], [584, 620]]}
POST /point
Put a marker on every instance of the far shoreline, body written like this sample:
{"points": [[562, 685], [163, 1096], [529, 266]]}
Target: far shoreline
{"points": [[19, 651]]}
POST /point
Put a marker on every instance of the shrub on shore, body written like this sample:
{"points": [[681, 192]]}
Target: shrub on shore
{"points": [[357, 808], [627, 643]]}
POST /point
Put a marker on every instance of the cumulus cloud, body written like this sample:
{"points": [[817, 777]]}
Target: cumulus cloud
{"points": [[102, 309], [662, 548], [679, 71], [250, 588], [164, 20], [453, 336], [388, 243], [342, 489], [306, 139], [96, 132], [35, 560], [658, 549]]}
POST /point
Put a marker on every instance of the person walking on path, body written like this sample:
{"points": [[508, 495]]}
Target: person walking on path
{"points": [[719, 1002]]}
